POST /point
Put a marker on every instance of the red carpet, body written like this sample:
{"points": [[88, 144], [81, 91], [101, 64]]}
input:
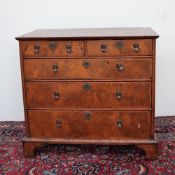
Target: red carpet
{"points": [[86, 160]]}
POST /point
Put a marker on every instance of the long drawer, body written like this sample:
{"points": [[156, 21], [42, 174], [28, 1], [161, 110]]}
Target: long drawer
{"points": [[89, 124], [88, 94], [116, 69]]}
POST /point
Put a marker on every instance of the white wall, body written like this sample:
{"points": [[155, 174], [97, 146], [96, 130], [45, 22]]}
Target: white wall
{"points": [[19, 16]]}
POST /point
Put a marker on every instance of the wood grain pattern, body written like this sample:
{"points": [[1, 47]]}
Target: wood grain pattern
{"points": [[100, 95], [99, 69], [89, 86], [141, 32], [30, 148], [31, 145], [61, 50], [134, 124], [23, 91], [91, 141], [153, 90], [151, 150], [94, 47]]}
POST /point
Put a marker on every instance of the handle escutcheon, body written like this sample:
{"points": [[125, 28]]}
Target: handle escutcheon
{"points": [[120, 67], [36, 48], [55, 68], [103, 48], [118, 95], [119, 44], [87, 86], [119, 124], [58, 123], [87, 115], [69, 48], [86, 64], [136, 47], [56, 95]]}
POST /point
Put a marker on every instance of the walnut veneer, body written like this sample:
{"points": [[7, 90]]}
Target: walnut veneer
{"points": [[89, 86]]}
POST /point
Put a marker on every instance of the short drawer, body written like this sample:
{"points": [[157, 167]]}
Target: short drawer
{"points": [[88, 94], [53, 48], [109, 69], [140, 47], [89, 124]]}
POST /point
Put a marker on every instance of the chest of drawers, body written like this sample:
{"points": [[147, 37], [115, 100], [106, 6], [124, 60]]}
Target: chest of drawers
{"points": [[89, 86]]}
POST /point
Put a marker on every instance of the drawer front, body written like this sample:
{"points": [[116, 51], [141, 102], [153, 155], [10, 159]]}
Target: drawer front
{"points": [[116, 69], [89, 124], [53, 48], [88, 94], [119, 47]]}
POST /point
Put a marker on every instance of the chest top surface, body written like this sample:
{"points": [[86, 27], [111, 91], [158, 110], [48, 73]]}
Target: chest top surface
{"points": [[90, 33]]}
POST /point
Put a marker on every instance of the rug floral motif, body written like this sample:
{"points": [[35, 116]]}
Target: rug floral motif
{"points": [[86, 159]]}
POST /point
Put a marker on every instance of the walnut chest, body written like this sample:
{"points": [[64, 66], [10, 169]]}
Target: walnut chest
{"points": [[89, 86]]}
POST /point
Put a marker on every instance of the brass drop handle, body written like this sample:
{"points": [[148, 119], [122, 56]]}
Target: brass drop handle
{"points": [[36, 48], [136, 47], [87, 115], [86, 64], [55, 68], [56, 95], [58, 123], [69, 48], [86, 86], [118, 95], [103, 48], [119, 67], [119, 124]]}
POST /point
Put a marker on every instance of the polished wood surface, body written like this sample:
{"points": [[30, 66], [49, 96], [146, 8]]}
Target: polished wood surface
{"points": [[60, 48], [98, 69], [90, 33], [74, 95], [96, 47], [89, 86], [31, 145], [133, 124]]}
